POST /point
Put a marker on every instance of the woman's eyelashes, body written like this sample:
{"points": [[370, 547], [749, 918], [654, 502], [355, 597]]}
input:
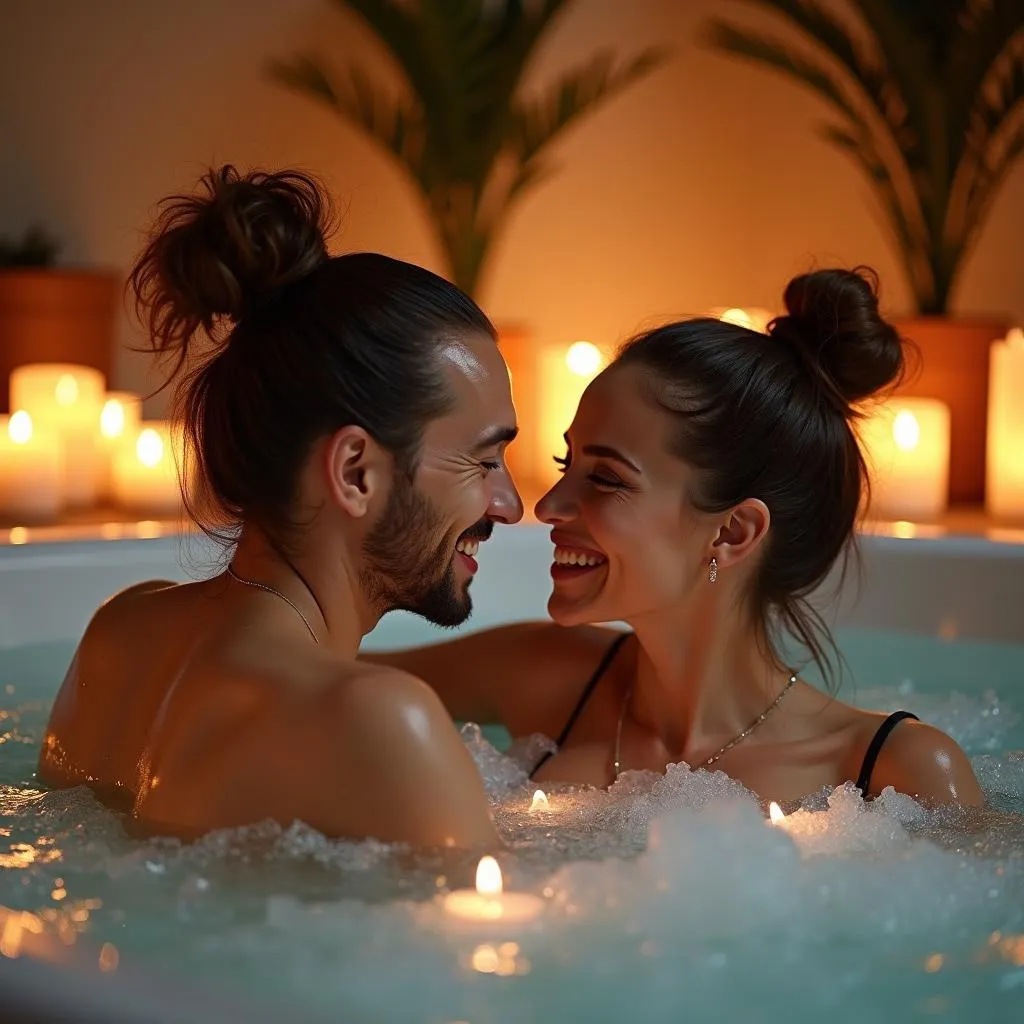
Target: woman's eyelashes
{"points": [[599, 477]]}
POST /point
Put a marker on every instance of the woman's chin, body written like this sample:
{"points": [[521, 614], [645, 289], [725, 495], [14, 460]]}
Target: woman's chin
{"points": [[571, 613]]}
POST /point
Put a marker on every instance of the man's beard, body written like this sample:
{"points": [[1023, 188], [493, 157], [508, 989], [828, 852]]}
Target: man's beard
{"points": [[401, 573]]}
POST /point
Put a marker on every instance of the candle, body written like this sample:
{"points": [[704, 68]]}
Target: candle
{"points": [[540, 802], [906, 444], [31, 470], [565, 373], [145, 475], [753, 317], [120, 423], [1004, 485], [65, 399], [488, 903]]}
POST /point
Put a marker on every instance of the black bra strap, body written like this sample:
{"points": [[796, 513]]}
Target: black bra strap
{"points": [[602, 667], [875, 748]]}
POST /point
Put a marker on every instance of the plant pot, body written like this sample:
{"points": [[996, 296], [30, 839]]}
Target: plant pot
{"points": [[55, 316], [954, 368]]}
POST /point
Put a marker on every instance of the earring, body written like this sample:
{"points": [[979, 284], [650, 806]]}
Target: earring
{"points": [[713, 571]]}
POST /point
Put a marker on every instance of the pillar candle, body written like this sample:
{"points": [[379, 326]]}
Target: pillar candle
{"points": [[120, 423], [145, 474], [1004, 486], [66, 399], [31, 471], [906, 443], [565, 372]]}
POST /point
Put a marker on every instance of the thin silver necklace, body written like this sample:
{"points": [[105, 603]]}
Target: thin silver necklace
{"points": [[271, 590], [617, 761]]}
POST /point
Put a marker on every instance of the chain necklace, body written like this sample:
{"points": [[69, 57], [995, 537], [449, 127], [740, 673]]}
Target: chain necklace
{"points": [[617, 761], [271, 590]]}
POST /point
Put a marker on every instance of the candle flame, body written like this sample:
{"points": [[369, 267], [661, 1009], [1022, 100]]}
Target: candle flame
{"points": [[739, 317], [1015, 338], [112, 418], [540, 801], [906, 431], [488, 877], [19, 427], [149, 447], [775, 813], [583, 358], [66, 389]]}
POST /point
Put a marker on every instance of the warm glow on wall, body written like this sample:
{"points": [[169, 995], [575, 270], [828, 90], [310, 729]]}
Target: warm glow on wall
{"points": [[565, 372]]}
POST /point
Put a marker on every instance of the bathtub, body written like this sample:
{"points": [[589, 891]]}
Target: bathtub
{"points": [[930, 608]]}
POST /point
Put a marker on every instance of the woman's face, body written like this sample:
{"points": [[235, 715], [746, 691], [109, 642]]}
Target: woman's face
{"points": [[622, 509]]}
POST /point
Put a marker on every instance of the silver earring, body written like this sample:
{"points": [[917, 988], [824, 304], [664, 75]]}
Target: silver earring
{"points": [[713, 571]]}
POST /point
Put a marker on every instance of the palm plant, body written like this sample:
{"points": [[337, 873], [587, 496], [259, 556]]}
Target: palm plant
{"points": [[929, 101], [469, 141]]}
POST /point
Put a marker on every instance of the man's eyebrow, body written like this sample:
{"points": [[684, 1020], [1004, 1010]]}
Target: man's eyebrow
{"points": [[493, 437]]}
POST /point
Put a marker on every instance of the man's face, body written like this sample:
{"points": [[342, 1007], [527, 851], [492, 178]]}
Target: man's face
{"points": [[420, 553]]}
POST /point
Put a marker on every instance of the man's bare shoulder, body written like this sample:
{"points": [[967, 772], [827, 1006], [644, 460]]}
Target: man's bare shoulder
{"points": [[352, 749]]}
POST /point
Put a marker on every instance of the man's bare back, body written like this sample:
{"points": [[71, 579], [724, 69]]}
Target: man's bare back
{"points": [[199, 712]]}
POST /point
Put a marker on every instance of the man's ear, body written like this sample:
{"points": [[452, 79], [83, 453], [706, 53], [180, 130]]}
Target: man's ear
{"points": [[358, 469], [742, 533]]}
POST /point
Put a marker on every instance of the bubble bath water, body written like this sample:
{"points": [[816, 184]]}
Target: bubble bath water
{"points": [[668, 897]]}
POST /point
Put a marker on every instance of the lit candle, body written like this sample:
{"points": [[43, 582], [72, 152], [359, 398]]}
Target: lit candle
{"points": [[540, 802], [145, 473], [564, 376], [31, 470], [1004, 485], [753, 317], [120, 423], [488, 903], [66, 399], [906, 443]]}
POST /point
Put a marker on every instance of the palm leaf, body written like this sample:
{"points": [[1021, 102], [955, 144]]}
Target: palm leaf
{"points": [[391, 123], [458, 128], [909, 235], [769, 52], [818, 25], [536, 123]]}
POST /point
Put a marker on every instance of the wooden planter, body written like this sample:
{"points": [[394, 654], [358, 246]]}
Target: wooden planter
{"points": [[954, 368], [56, 316]]}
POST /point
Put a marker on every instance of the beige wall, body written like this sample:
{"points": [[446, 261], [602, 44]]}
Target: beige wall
{"points": [[704, 186]]}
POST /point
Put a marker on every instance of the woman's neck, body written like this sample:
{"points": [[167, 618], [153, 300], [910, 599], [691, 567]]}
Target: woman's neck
{"points": [[701, 679]]}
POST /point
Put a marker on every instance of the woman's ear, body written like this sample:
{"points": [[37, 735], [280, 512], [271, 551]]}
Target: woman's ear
{"points": [[742, 533]]}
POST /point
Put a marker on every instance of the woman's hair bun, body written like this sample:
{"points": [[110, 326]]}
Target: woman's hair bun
{"points": [[223, 250], [832, 318]]}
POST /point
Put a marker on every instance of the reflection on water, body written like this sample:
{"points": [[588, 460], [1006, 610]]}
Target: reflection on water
{"points": [[667, 897]]}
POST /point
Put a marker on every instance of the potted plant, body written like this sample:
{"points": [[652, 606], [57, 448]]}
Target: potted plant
{"points": [[461, 130], [927, 97], [51, 314]]}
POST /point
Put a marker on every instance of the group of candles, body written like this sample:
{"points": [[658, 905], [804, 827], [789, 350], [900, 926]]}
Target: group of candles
{"points": [[906, 440], [69, 444]]}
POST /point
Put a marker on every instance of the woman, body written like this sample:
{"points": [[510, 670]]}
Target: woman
{"points": [[712, 478], [347, 427]]}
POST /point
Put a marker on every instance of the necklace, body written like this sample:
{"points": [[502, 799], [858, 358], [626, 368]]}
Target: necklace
{"points": [[271, 590], [617, 762]]}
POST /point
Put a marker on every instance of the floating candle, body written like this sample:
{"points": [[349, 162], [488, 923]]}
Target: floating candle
{"points": [[488, 903], [540, 802]]}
